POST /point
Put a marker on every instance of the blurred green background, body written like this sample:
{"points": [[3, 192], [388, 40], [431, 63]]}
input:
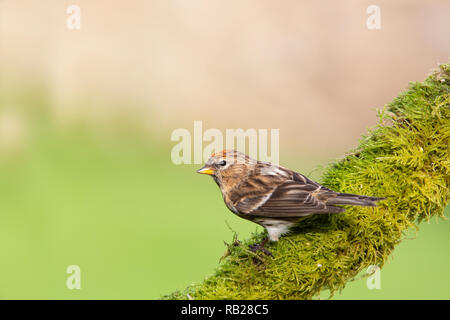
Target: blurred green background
{"points": [[86, 117], [138, 226]]}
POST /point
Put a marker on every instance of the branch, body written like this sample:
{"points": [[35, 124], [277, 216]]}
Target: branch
{"points": [[404, 158]]}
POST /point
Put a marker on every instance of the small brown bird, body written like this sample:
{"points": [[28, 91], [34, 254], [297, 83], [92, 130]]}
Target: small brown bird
{"points": [[272, 196]]}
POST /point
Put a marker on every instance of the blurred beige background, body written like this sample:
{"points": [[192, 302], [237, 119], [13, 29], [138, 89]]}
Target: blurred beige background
{"points": [[311, 69]]}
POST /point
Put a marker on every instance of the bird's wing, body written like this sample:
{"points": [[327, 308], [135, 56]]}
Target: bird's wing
{"points": [[296, 196]]}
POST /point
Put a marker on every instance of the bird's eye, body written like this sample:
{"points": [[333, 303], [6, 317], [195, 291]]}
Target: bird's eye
{"points": [[222, 163]]}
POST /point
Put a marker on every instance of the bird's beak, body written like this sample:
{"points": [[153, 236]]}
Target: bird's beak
{"points": [[206, 170]]}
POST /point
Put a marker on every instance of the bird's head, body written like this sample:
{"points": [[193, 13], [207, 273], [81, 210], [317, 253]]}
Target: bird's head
{"points": [[228, 166]]}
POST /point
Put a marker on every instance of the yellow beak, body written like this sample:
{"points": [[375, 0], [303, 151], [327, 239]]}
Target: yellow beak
{"points": [[206, 170]]}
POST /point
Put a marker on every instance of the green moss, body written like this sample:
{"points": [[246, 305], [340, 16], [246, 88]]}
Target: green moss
{"points": [[404, 158]]}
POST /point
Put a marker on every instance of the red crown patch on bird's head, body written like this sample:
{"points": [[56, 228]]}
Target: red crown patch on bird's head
{"points": [[232, 156], [222, 153]]}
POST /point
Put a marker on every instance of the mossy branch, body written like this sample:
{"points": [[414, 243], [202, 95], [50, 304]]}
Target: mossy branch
{"points": [[404, 158]]}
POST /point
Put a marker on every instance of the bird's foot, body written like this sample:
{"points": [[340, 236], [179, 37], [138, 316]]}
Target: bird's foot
{"points": [[260, 247]]}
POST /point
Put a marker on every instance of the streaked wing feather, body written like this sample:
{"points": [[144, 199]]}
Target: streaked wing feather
{"points": [[293, 198]]}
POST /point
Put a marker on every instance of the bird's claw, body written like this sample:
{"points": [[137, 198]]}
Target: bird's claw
{"points": [[259, 247]]}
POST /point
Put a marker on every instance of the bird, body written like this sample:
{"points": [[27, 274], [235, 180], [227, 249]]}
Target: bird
{"points": [[273, 196]]}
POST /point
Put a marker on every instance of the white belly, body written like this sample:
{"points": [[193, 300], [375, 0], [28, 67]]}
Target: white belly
{"points": [[275, 228]]}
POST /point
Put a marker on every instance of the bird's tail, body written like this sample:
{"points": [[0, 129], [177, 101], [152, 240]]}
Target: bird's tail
{"points": [[353, 200]]}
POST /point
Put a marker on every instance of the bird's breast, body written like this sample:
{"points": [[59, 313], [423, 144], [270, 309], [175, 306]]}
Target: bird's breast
{"points": [[229, 203]]}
